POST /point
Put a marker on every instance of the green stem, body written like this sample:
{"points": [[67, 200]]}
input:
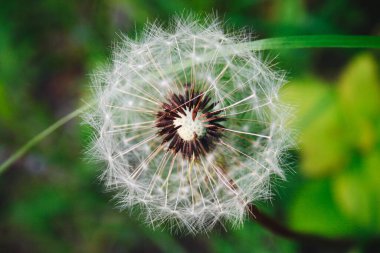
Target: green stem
{"points": [[39, 137], [314, 41], [289, 42]]}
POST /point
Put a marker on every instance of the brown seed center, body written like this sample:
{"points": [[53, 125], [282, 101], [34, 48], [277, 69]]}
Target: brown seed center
{"points": [[189, 123]]}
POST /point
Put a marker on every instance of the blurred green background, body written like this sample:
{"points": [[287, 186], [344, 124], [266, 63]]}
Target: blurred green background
{"points": [[51, 199]]}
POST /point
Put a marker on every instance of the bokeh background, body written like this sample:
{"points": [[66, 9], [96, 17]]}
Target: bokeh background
{"points": [[51, 199]]}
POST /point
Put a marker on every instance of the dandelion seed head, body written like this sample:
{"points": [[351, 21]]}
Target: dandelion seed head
{"points": [[189, 125]]}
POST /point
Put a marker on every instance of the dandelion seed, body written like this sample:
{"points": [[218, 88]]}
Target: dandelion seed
{"points": [[190, 127]]}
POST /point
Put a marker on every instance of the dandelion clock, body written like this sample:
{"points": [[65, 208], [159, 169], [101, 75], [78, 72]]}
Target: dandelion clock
{"points": [[189, 125]]}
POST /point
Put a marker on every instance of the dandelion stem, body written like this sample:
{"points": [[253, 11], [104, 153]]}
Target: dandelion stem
{"points": [[313, 41], [39, 137], [285, 232]]}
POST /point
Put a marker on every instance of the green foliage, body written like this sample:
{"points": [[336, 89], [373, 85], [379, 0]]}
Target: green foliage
{"points": [[314, 211], [318, 118], [339, 151], [251, 238]]}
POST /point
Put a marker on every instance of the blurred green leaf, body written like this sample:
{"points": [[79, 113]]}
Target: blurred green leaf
{"points": [[318, 117], [359, 87], [332, 132], [323, 145], [37, 212], [351, 196], [251, 238], [319, 96], [314, 211], [359, 92], [357, 193]]}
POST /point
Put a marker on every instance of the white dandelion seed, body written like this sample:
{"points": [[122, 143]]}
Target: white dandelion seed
{"points": [[189, 125]]}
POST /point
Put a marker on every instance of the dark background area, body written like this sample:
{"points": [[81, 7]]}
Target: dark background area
{"points": [[51, 199]]}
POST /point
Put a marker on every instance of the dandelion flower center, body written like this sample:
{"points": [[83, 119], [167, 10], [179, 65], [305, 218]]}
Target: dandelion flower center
{"points": [[189, 122], [189, 128]]}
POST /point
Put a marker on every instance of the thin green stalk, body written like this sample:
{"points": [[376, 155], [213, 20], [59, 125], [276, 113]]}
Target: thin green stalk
{"points": [[289, 42], [39, 137], [314, 41]]}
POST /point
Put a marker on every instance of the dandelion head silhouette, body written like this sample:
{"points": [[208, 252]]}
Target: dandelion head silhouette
{"points": [[188, 124]]}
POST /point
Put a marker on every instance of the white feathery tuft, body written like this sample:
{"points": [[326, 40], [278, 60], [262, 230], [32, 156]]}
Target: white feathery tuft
{"points": [[189, 194]]}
